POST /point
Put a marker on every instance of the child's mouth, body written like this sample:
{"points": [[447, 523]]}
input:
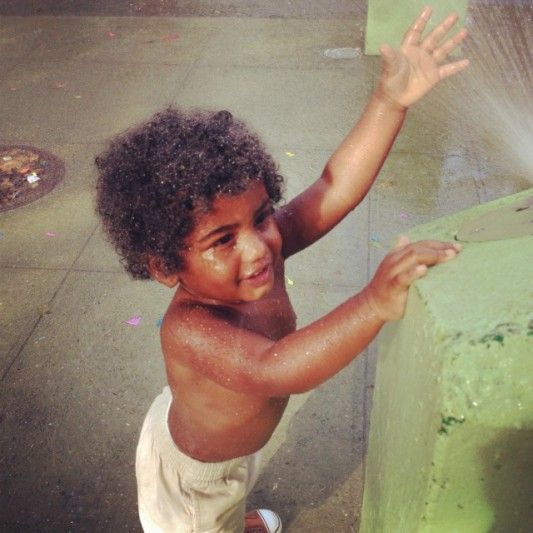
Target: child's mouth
{"points": [[260, 277]]}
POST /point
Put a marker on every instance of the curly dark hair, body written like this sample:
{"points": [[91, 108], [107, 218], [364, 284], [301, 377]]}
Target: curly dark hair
{"points": [[152, 180]]}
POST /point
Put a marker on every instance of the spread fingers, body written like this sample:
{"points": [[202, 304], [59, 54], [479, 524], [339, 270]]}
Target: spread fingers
{"points": [[433, 40], [441, 53], [414, 33]]}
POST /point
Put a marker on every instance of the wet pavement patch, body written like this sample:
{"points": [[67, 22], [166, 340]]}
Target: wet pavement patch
{"points": [[27, 174]]}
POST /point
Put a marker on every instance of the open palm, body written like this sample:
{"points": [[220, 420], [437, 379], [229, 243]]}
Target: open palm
{"points": [[410, 72]]}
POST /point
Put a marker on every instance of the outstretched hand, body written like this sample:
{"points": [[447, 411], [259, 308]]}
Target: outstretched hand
{"points": [[406, 262], [410, 72]]}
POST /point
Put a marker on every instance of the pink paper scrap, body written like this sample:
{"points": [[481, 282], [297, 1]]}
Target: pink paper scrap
{"points": [[135, 320]]}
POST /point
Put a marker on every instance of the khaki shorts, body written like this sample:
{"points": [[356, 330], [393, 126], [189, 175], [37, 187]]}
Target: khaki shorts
{"points": [[182, 495]]}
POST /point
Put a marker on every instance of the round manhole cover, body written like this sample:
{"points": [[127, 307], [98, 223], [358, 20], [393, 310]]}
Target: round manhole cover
{"points": [[26, 174]]}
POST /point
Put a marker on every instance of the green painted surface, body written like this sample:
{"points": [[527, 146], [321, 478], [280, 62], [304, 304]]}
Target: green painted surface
{"points": [[387, 20], [451, 434]]}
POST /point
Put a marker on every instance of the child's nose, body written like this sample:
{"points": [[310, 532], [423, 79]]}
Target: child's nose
{"points": [[253, 247]]}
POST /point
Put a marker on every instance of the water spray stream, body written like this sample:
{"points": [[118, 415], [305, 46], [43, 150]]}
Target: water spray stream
{"points": [[493, 99]]}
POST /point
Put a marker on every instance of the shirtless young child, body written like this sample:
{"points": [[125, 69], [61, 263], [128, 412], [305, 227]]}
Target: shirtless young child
{"points": [[189, 200]]}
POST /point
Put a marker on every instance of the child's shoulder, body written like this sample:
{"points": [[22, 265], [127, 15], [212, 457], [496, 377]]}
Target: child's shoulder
{"points": [[210, 340], [185, 314], [189, 322]]}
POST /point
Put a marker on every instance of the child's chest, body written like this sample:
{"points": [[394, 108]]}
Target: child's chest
{"points": [[272, 316]]}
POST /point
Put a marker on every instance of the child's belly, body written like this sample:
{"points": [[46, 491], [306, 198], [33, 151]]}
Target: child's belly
{"points": [[231, 425]]}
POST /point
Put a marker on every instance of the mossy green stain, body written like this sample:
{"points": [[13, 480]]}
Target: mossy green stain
{"points": [[447, 422], [492, 337]]}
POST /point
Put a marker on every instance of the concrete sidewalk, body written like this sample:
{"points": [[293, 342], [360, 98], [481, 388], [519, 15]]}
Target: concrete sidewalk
{"points": [[76, 380]]}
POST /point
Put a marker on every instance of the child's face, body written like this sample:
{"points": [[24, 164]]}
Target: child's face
{"points": [[233, 249]]}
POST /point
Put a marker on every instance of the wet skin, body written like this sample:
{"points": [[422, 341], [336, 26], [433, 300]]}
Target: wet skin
{"points": [[231, 349], [235, 278]]}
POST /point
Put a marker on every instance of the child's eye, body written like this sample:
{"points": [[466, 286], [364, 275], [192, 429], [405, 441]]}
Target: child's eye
{"points": [[225, 239], [264, 215]]}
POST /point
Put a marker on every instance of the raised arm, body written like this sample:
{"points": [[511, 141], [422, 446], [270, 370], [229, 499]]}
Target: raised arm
{"points": [[407, 75]]}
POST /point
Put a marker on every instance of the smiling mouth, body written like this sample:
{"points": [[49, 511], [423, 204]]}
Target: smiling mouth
{"points": [[261, 276]]}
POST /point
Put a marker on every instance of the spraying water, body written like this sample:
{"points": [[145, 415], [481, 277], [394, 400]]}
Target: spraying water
{"points": [[493, 99]]}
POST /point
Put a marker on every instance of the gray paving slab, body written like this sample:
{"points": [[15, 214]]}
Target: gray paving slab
{"points": [[341, 260], [24, 297], [287, 43], [98, 255], [84, 103], [72, 405], [271, 101], [152, 40], [50, 236]]}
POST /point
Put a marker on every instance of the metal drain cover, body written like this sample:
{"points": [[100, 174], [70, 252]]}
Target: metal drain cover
{"points": [[27, 174]]}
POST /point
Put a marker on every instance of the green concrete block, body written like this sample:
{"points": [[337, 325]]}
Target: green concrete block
{"points": [[387, 21], [451, 431]]}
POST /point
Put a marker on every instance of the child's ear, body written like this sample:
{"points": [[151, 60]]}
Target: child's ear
{"points": [[157, 270]]}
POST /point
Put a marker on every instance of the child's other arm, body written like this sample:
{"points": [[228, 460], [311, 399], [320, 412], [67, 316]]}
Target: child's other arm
{"points": [[247, 362], [408, 74]]}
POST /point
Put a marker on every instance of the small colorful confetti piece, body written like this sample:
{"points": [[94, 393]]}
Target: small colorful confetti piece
{"points": [[289, 281], [170, 37], [51, 233], [111, 34], [404, 216], [374, 241], [135, 320], [158, 322], [290, 154]]}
